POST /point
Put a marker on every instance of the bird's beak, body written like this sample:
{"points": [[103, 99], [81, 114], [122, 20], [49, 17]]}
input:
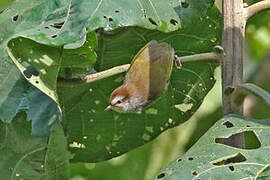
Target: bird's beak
{"points": [[108, 108]]}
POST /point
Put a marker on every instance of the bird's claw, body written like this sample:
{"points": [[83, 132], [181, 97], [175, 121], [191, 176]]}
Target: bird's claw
{"points": [[177, 62]]}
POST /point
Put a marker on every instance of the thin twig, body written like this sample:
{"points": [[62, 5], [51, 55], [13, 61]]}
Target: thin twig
{"points": [[105, 74], [212, 56], [256, 8]]}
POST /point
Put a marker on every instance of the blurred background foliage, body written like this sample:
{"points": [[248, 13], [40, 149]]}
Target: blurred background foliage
{"points": [[144, 162]]}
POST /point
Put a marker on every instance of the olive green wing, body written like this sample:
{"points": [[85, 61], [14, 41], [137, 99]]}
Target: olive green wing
{"points": [[151, 69], [161, 57]]}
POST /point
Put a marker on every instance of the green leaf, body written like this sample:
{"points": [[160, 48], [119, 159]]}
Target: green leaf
{"points": [[58, 23], [264, 174], [45, 66], [61, 23], [159, 15], [57, 156], [13, 89], [95, 135], [23, 156], [40, 65], [41, 110], [210, 159], [29, 18]]}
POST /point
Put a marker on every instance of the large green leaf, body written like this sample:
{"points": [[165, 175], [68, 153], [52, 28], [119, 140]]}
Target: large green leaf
{"points": [[23, 156], [13, 89], [58, 23], [40, 64], [41, 110], [45, 63], [95, 135], [210, 159]]}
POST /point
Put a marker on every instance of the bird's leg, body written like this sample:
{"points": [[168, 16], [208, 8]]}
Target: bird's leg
{"points": [[177, 62]]}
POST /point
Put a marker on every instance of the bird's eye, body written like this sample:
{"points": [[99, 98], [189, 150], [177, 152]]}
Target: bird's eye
{"points": [[119, 101]]}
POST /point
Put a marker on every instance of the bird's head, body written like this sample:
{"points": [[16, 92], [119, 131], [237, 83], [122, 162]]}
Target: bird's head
{"points": [[123, 99]]}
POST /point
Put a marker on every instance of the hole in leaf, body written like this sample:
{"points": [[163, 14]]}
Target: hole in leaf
{"points": [[105, 17], [184, 4], [231, 168], [194, 173], [58, 25], [54, 36], [29, 71], [161, 175], [33, 71], [251, 140], [46, 27], [247, 125], [144, 13], [152, 21], [228, 124], [190, 158], [238, 158], [173, 22], [117, 11], [37, 82], [110, 19], [179, 160], [27, 74], [15, 18]]}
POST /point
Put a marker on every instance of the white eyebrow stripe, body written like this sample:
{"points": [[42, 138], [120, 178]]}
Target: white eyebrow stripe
{"points": [[117, 98]]}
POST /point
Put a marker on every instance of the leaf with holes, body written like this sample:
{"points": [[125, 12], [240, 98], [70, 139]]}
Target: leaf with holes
{"points": [[65, 23], [60, 22], [23, 156], [112, 133], [211, 158], [40, 64], [38, 19]]}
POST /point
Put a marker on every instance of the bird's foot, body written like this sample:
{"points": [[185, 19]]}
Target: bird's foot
{"points": [[177, 62]]}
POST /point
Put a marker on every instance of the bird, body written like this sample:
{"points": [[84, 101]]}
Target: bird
{"points": [[146, 79]]}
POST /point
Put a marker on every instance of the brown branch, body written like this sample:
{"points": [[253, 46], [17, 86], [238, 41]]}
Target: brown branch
{"points": [[256, 8], [234, 23]]}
